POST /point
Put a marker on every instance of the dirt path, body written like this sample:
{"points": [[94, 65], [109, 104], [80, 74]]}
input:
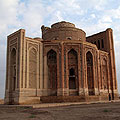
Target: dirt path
{"points": [[104, 111]]}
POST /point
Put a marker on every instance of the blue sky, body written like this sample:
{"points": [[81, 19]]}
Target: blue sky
{"points": [[90, 15]]}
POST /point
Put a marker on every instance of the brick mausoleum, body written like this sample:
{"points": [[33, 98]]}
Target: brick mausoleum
{"points": [[62, 66]]}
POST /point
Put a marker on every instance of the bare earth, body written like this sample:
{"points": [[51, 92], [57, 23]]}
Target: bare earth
{"points": [[104, 111]]}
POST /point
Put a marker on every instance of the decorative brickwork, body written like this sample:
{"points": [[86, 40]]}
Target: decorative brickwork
{"points": [[64, 65]]}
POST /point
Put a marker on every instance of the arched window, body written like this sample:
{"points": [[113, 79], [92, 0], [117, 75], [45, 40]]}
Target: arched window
{"points": [[71, 72], [33, 68], [13, 70], [69, 38], [52, 69], [73, 69], [90, 80]]}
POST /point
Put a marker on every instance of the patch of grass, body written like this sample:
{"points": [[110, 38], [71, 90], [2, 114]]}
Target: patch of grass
{"points": [[105, 110], [32, 116]]}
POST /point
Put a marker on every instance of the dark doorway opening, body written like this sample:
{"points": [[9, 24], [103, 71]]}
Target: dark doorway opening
{"points": [[72, 82]]}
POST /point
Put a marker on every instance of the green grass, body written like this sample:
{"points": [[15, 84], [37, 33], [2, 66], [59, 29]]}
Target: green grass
{"points": [[32, 116], [105, 110]]}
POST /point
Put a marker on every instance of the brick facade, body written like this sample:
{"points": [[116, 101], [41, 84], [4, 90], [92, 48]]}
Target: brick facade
{"points": [[64, 65]]}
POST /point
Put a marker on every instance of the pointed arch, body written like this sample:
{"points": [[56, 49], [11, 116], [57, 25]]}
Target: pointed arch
{"points": [[32, 68], [13, 70], [72, 57], [52, 69], [73, 69], [90, 79]]}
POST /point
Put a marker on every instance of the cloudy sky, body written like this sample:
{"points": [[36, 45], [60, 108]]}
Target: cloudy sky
{"points": [[90, 15]]}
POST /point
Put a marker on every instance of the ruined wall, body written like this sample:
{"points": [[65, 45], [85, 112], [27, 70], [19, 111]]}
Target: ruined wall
{"points": [[99, 40], [63, 63]]}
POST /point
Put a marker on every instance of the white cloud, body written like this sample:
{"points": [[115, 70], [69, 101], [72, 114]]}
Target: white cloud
{"points": [[8, 16], [57, 17], [31, 16], [92, 4], [93, 16], [100, 4], [66, 6], [8, 12], [114, 13], [106, 19]]}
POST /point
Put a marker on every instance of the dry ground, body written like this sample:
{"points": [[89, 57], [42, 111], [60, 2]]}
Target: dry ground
{"points": [[103, 111]]}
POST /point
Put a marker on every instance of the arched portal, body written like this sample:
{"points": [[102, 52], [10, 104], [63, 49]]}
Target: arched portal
{"points": [[90, 79], [52, 70], [13, 70], [73, 70]]}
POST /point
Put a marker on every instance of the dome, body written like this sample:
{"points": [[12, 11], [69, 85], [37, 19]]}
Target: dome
{"points": [[62, 24]]}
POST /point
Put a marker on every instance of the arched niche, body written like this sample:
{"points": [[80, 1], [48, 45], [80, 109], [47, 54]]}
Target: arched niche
{"points": [[32, 68], [90, 78], [52, 69], [13, 70], [73, 69], [104, 74]]}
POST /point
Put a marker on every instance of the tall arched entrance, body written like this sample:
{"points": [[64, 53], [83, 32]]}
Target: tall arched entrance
{"points": [[73, 72], [90, 79], [52, 71]]}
